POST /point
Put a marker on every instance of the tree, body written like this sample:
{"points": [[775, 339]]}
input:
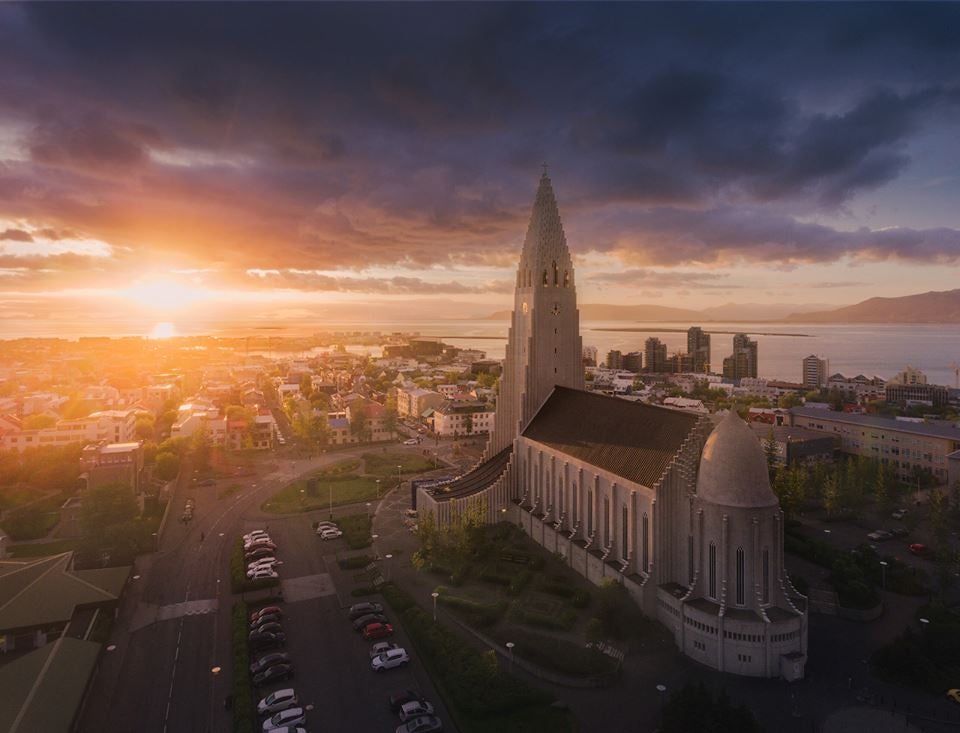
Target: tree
{"points": [[790, 399], [390, 415], [39, 422], [144, 427], [168, 466], [306, 386], [831, 495], [694, 708], [835, 398], [468, 423], [200, 448], [939, 518], [359, 423], [770, 451], [106, 506]]}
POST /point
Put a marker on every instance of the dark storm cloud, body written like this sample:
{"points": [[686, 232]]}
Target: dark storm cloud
{"points": [[347, 136]]}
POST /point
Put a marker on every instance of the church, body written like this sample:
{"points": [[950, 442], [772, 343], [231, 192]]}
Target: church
{"points": [[675, 506]]}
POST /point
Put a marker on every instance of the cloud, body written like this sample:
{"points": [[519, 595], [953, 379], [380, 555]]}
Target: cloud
{"points": [[640, 277], [315, 281], [16, 235]]}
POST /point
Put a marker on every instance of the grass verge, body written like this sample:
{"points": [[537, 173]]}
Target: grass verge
{"points": [[43, 549], [242, 692]]}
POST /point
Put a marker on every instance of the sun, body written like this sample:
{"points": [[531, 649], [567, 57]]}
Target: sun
{"points": [[163, 330], [163, 295]]}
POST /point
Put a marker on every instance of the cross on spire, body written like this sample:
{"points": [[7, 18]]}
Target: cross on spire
{"points": [[544, 169]]}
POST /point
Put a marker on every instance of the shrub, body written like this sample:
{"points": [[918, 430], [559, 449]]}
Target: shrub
{"points": [[562, 621], [520, 582], [476, 613], [242, 697], [356, 531], [564, 656], [352, 563], [239, 583], [472, 684], [366, 590], [493, 573], [578, 597], [593, 630]]}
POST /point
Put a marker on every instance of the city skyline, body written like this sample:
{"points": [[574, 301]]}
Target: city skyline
{"points": [[165, 163]]}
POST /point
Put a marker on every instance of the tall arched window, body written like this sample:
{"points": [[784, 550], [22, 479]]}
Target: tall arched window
{"points": [[606, 521], [545, 281], [766, 575], [556, 274], [712, 576], [741, 591], [566, 278], [645, 539], [689, 559], [589, 512], [624, 535]]}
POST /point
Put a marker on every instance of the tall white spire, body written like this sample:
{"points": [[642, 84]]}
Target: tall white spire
{"points": [[543, 347]]}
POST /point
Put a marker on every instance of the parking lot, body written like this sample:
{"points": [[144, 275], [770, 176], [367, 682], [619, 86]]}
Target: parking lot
{"points": [[332, 672]]}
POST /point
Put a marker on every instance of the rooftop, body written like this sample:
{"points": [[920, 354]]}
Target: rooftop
{"points": [[630, 439], [930, 430]]}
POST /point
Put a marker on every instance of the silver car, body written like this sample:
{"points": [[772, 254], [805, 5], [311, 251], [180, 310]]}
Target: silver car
{"points": [[285, 718], [277, 701]]}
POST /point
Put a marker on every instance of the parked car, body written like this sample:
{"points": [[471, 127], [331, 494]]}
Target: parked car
{"points": [[380, 647], [290, 716], [269, 660], [370, 618], [267, 618], [389, 660], [423, 724], [401, 697], [414, 709], [262, 641], [264, 562], [257, 544], [377, 631], [879, 535], [258, 554], [255, 533], [900, 531], [954, 694], [324, 524], [273, 674], [272, 628], [410, 441], [920, 550], [330, 534], [899, 514], [263, 574], [277, 701], [266, 611], [362, 609], [411, 513], [207, 482]]}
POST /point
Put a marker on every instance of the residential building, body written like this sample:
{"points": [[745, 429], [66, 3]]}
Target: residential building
{"points": [[907, 446], [858, 388], [114, 463], [909, 375], [797, 445], [680, 363], [114, 426], [412, 402], [589, 356], [815, 372], [743, 362], [655, 356], [953, 469], [456, 419], [674, 507], [698, 347], [633, 362], [917, 393], [614, 360]]}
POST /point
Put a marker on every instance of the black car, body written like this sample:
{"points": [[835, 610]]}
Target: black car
{"points": [[261, 641], [267, 629], [401, 697], [268, 661], [370, 618], [273, 674], [259, 554], [899, 531], [362, 609], [270, 618]]}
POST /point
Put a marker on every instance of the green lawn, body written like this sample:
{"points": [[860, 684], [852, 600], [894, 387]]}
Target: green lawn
{"points": [[345, 490], [385, 464], [12, 497]]}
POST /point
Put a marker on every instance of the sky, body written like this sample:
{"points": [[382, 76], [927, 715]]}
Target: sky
{"points": [[262, 162]]}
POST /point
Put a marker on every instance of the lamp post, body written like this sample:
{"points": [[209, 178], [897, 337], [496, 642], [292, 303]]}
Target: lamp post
{"points": [[331, 501], [302, 497], [510, 646], [386, 565], [378, 489], [435, 596], [399, 480], [368, 508], [883, 574]]}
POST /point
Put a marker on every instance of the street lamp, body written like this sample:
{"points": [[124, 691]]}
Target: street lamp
{"points": [[386, 565], [510, 646], [368, 508], [378, 489], [399, 480], [331, 501], [883, 574], [435, 596]]}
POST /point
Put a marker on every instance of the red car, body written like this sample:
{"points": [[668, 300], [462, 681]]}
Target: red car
{"points": [[377, 631], [267, 611], [920, 550]]}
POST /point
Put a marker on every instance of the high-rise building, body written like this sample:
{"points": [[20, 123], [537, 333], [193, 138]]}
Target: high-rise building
{"points": [[910, 375], [590, 356], [743, 362], [680, 363], [655, 356], [633, 362], [816, 371], [614, 359], [698, 347]]}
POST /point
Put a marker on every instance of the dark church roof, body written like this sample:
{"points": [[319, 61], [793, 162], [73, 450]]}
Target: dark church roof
{"points": [[630, 439], [477, 480]]}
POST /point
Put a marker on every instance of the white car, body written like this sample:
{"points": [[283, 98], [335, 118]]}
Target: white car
{"points": [[326, 525], [285, 718], [410, 710], [411, 441], [263, 574], [381, 647], [277, 701], [330, 534], [388, 660], [267, 562], [255, 534]]}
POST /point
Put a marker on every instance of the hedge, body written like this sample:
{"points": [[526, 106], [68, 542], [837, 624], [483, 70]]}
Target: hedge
{"points": [[352, 563], [578, 598], [356, 530], [564, 656], [475, 686], [562, 621], [242, 693], [477, 613], [239, 582]]}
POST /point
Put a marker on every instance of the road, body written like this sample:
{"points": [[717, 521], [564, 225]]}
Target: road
{"points": [[173, 627]]}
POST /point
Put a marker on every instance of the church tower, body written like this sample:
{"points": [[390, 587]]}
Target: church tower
{"points": [[543, 345]]}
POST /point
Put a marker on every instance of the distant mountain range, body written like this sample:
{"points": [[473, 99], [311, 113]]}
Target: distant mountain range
{"points": [[932, 307]]}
